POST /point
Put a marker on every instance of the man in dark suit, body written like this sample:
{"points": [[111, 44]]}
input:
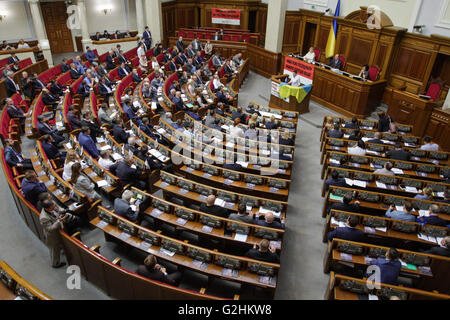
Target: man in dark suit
{"points": [[13, 58], [32, 187], [95, 129], [14, 158], [443, 250], [49, 99], [178, 101], [389, 268], [180, 45], [87, 143], [129, 111], [15, 112], [152, 270], [335, 181], [179, 59], [264, 252], [270, 222], [56, 89], [147, 36], [216, 36], [345, 205], [336, 63], [45, 129], [127, 172], [38, 84], [121, 58], [376, 138], [74, 74], [104, 90], [122, 206], [119, 133], [51, 150], [109, 61], [398, 153], [11, 86], [190, 51], [73, 119], [353, 124], [237, 113], [173, 65], [64, 66], [123, 70], [135, 77], [211, 208], [336, 132], [27, 86], [101, 70], [349, 232]]}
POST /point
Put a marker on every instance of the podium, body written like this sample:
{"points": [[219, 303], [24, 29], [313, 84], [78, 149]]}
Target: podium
{"points": [[290, 103]]}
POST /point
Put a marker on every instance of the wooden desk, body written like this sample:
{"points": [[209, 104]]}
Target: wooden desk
{"points": [[409, 108], [292, 105]]}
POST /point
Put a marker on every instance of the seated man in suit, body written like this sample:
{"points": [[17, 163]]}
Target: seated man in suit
{"points": [[73, 119], [443, 250], [109, 60], [211, 208], [87, 143], [105, 115], [84, 89], [15, 112], [216, 36], [56, 89], [45, 128], [91, 57], [49, 99], [386, 170], [123, 70], [51, 150], [178, 101], [224, 97], [336, 132], [11, 86], [173, 65], [13, 58], [14, 158], [429, 146], [189, 66], [128, 173], [237, 113], [135, 77], [403, 215], [398, 153], [129, 111], [336, 63], [376, 138], [88, 121], [349, 232], [269, 221], [264, 252], [119, 133], [32, 187], [74, 72], [190, 51], [345, 205], [433, 219], [272, 124], [122, 59], [64, 66], [101, 70], [152, 270], [122, 206], [335, 181], [106, 35], [104, 89], [389, 268], [38, 84], [353, 124], [216, 61], [80, 65], [242, 215]]}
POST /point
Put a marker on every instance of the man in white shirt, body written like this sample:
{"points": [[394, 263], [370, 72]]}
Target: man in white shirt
{"points": [[296, 80], [105, 162], [235, 130], [359, 149], [429, 146]]}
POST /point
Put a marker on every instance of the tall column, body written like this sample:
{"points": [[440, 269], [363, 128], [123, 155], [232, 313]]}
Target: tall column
{"points": [[276, 13], [447, 102], [154, 19], [39, 28], [85, 38], [140, 17]]}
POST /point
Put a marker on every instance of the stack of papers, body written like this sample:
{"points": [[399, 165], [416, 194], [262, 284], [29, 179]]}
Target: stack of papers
{"points": [[105, 147], [240, 237], [220, 202], [411, 189], [380, 185], [424, 213], [358, 183], [116, 156], [427, 238], [339, 223], [397, 171], [243, 164]]}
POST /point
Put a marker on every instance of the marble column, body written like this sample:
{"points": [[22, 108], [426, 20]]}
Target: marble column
{"points": [[276, 13], [154, 19], [140, 17], [39, 28], [85, 38]]}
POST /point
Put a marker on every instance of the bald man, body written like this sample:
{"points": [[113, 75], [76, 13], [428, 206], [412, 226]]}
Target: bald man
{"points": [[269, 221], [211, 208]]}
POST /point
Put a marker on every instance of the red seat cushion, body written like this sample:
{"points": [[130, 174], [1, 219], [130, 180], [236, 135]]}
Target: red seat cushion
{"points": [[434, 90], [373, 73], [317, 52], [343, 61]]}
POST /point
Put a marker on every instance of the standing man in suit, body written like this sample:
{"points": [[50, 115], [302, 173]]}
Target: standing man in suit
{"points": [[11, 86], [27, 86], [147, 35], [180, 45], [109, 60], [64, 66], [52, 220], [87, 143], [336, 63]]}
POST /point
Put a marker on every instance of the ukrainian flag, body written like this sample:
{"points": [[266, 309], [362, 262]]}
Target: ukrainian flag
{"points": [[331, 43]]}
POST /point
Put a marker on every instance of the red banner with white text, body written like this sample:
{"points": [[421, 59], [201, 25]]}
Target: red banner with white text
{"points": [[226, 16], [304, 69]]}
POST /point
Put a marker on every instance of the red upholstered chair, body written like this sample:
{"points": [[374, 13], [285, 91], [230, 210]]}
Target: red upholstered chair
{"points": [[343, 62], [374, 73], [433, 90], [190, 35], [317, 52], [181, 33], [208, 36], [246, 38], [226, 37], [200, 35], [236, 37]]}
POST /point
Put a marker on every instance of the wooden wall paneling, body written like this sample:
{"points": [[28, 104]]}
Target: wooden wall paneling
{"points": [[291, 34], [439, 128], [322, 39], [261, 22]]}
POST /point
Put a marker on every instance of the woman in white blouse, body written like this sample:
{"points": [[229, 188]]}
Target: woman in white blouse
{"points": [[71, 158], [22, 44], [155, 63], [310, 56], [216, 82], [83, 184], [190, 87]]}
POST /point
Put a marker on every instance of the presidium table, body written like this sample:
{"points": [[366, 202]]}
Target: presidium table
{"points": [[340, 91]]}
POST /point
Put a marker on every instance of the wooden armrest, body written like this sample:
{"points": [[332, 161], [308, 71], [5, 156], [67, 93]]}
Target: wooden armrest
{"points": [[117, 262], [96, 203], [77, 235], [95, 248], [202, 290]]}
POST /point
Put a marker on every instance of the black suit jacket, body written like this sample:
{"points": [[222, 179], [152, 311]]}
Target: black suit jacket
{"points": [[337, 64], [12, 59], [64, 67], [109, 62], [347, 233], [74, 74], [119, 134], [49, 99], [50, 150], [10, 87], [27, 88], [214, 210], [154, 274], [125, 173]]}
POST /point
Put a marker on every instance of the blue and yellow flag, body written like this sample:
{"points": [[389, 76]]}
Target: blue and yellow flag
{"points": [[331, 43]]}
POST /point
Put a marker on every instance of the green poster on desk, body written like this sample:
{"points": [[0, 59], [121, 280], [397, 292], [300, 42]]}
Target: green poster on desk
{"points": [[338, 198]]}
